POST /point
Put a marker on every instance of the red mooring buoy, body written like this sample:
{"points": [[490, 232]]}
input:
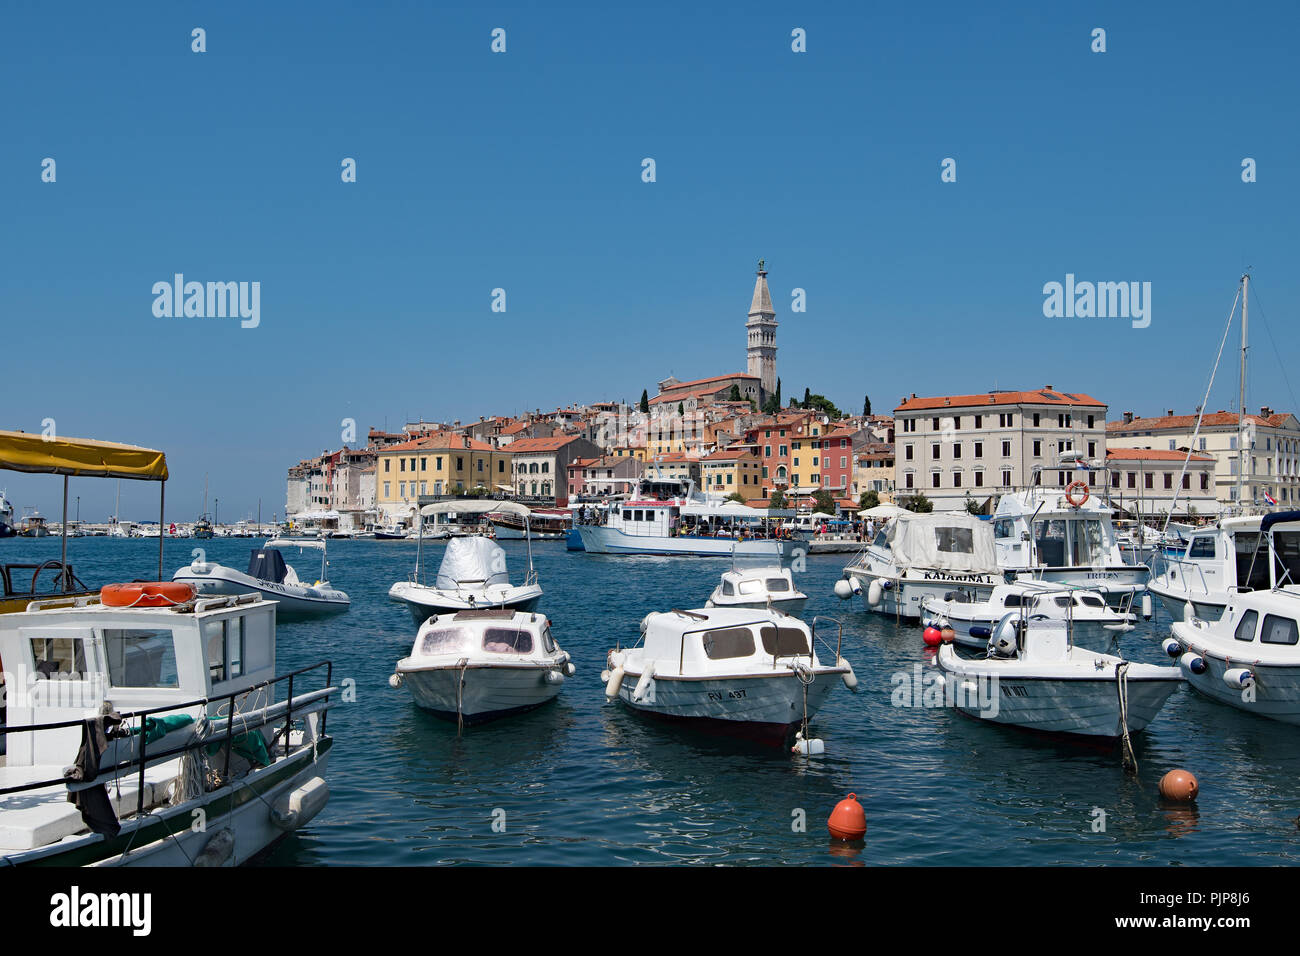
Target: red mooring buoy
{"points": [[932, 636], [848, 821], [1179, 785]]}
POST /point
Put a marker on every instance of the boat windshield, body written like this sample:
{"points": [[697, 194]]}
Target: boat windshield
{"points": [[1074, 543], [1252, 561], [505, 640], [778, 584], [447, 640], [784, 641], [1286, 550], [728, 642], [141, 657]]}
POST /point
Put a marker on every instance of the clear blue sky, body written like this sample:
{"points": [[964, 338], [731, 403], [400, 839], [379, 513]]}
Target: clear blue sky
{"points": [[523, 171]]}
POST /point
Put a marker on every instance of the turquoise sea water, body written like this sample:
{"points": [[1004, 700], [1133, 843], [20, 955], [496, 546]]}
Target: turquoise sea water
{"points": [[583, 782]]}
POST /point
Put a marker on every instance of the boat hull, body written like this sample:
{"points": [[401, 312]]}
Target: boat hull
{"points": [[601, 540], [1276, 689], [903, 595], [293, 602], [763, 708], [1115, 583], [489, 691], [425, 602], [793, 606], [1086, 633]]}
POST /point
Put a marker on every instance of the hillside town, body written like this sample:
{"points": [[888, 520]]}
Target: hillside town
{"points": [[732, 436]]}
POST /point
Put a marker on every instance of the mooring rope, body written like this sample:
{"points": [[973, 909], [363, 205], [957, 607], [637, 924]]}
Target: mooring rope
{"points": [[1128, 757]]}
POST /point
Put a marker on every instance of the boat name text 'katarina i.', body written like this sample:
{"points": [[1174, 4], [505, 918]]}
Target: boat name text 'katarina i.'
{"points": [[1102, 300], [213, 300], [76, 909]]}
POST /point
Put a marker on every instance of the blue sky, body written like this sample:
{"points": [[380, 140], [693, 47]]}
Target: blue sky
{"points": [[522, 171]]}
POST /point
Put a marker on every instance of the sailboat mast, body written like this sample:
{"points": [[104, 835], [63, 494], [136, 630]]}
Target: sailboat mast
{"points": [[1241, 408]]}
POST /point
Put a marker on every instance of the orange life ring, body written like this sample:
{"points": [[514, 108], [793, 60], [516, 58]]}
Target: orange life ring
{"points": [[146, 594], [1076, 486]]}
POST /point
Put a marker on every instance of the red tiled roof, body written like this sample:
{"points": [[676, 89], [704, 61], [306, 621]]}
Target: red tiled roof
{"points": [[728, 454], [1152, 454], [1187, 422], [447, 440], [523, 446], [716, 378], [1064, 399]]}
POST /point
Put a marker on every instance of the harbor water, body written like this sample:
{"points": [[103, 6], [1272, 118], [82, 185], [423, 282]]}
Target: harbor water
{"points": [[584, 782]]}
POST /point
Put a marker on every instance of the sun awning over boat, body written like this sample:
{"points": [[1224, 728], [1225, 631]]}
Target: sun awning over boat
{"points": [[949, 541], [459, 507], [730, 509], [79, 457]]}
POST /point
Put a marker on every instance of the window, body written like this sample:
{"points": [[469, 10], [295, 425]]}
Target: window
{"points": [[56, 656], [141, 658], [1148, 480], [1092, 449], [387, 462], [1169, 479], [1006, 479], [1278, 630], [1038, 449], [907, 452], [956, 449], [979, 449], [1036, 421], [1091, 421], [979, 479], [1201, 547], [767, 450], [1006, 449], [956, 479], [783, 641], [909, 479], [936, 425], [1246, 629], [507, 640], [728, 642], [979, 421], [934, 450], [934, 479], [955, 540]]}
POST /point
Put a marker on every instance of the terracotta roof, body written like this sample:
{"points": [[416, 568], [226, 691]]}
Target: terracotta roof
{"points": [[523, 446], [584, 462], [438, 440], [1045, 396], [706, 381], [1152, 454], [1188, 422], [729, 454]]}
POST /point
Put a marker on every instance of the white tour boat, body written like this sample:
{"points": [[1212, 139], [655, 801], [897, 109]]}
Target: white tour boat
{"points": [[1064, 537], [125, 724], [473, 572], [474, 666], [758, 587], [269, 576], [918, 556], [1090, 619], [1035, 678], [1218, 560], [1249, 657], [752, 673]]}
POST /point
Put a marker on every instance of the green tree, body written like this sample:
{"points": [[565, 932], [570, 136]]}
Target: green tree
{"points": [[645, 401], [866, 405], [868, 499], [736, 496], [807, 397], [778, 393], [972, 506], [777, 500], [824, 501], [734, 394], [681, 410], [772, 405], [917, 502]]}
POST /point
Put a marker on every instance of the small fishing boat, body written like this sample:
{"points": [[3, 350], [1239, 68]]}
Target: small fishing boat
{"points": [[1090, 619], [134, 713], [269, 576], [750, 673], [758, 587], [1035, 678], [1248, 656], [473, 572], [33, 525], [475, 666]]}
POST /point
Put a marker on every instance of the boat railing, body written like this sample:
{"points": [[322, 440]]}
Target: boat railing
{"points": [[1183, 563], [236, 725], [839, 639]]}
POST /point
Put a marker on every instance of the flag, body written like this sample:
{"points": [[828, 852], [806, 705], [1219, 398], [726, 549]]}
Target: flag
{"points": [[1269, 498]]}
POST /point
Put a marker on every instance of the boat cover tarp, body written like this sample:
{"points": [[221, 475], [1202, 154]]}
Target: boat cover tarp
{"points": [[474, 507], [267, 564], [945, 541], [472, 559], [38, 454]]}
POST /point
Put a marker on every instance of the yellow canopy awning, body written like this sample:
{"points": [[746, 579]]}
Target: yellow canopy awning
{"points": [[23, 451]]}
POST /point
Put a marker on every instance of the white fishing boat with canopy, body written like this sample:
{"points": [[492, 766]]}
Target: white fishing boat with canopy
{"points": [[473, 573], [1090, 619], [919, 556], [475, 666], [269, 576], [763, 586]]}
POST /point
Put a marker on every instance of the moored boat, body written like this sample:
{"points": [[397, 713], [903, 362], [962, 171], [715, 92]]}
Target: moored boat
{"points": [[1090, 619], [269, 576]]}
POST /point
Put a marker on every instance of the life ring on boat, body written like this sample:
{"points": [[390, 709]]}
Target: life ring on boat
{"points": [[1072, 488], [146, 594]]}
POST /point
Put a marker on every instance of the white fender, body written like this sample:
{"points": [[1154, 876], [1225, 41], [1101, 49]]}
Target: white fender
{"points": [[1148, 608], [1172, 647], [843, 590], [552, 677], [295, 808], [643, 685], [218, 850], [614, 683], [395, 680], [850, 679], [1238, 678], [1192, 663], [569, 669], [875, 593], [1189, 613]]}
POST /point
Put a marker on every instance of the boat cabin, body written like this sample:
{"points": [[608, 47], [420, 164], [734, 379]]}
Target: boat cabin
{"points": [[1044, 530], [721, 639], [496, 631]]}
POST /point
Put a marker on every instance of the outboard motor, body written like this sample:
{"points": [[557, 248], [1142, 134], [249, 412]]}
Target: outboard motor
{"points": [[1005, 639]]}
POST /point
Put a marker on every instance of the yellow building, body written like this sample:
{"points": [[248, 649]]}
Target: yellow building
{"points": [[440, 464], [732, 471]]}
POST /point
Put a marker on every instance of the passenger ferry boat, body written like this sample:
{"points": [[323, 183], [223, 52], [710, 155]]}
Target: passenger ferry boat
{"points": [[128, 719], [668, 517], [1250, 657], [543, 525], [1065, 538]]}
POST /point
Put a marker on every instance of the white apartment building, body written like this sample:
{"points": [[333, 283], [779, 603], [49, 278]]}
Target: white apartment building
{"points": [[1272, 451], [959, 448], [1155, 482]]}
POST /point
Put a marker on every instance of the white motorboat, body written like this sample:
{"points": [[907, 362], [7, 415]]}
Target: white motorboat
{"points": [[7, 529], [269, 576], [1249, 656], [918, 556], [474, 666], [1090, 619], [758, 587], [1035, 678], [473, 572], [1218, 560], [1066, 538], [752, 673], [669, 517], [184, 696]]}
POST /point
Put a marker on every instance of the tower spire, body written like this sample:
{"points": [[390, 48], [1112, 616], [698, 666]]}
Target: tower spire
{"points": [[761, 336]]}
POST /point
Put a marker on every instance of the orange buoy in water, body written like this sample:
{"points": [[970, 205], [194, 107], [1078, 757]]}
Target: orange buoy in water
{"points": [[1179, 785], [848, 821], [146, 594], [947, 634], [932, 636]]}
